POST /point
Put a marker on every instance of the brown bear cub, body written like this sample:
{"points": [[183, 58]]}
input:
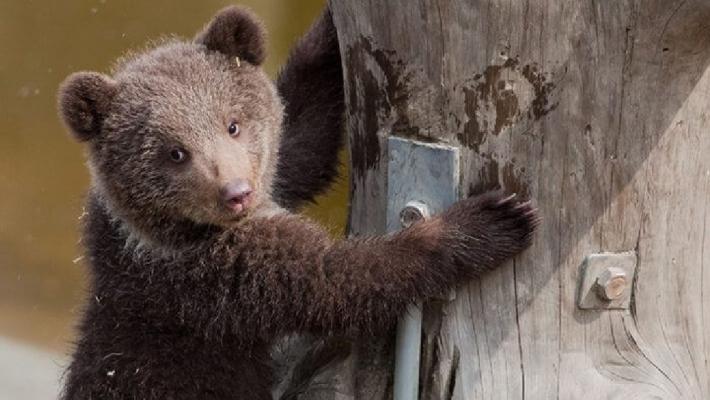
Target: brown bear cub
{"points": [[197, 267]]}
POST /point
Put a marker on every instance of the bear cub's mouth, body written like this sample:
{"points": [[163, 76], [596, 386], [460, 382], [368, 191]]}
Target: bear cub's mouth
{"points": [[238, 206]]}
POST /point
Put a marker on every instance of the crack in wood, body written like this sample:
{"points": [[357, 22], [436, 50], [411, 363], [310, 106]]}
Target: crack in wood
{"points": [[519, 329], [451, 376]]}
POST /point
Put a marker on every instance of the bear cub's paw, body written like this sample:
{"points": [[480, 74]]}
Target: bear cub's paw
{"points": [[491, 228]]}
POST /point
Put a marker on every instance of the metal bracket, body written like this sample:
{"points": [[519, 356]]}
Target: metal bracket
{"points": [[422, 178], [607, 281], [413, 212], [422, 172]]}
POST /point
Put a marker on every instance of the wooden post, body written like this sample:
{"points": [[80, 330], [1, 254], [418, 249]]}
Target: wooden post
{"points": [[597, 110]]}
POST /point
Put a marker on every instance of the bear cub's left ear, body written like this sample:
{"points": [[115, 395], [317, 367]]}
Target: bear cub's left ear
{"points": [[235, 32]]}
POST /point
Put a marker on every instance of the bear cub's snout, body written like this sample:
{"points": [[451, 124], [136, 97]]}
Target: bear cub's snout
{"points": [[237, 195]]}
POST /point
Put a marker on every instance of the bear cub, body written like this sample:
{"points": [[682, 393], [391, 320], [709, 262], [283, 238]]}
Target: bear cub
{"points": [[197, 262]]}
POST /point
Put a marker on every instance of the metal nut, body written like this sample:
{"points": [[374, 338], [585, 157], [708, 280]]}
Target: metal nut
{"points": [[611, 284], [413, 212]]}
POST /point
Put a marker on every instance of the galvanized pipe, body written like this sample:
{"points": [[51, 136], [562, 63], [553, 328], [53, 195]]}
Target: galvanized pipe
{"points": [[408, 354], [409, 329]]}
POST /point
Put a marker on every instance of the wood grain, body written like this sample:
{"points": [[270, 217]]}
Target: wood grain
{"points": [[597, 111]]}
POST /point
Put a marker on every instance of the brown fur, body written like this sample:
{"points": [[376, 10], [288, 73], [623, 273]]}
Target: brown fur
{"points": [[187, 295], [311, 86], [235, 32], [152, 111], [87, 97]]}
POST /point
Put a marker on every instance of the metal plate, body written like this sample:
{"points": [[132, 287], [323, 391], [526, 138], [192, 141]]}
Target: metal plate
{"points": [[593, 267], [424, 172]]}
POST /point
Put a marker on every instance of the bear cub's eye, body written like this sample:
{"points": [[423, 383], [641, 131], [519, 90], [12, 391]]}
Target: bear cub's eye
{"points": [[178, 155], [233, 129]]}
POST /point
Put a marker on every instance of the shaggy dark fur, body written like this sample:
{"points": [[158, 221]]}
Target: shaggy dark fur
{"points": [[189, 292], [311, 87]]}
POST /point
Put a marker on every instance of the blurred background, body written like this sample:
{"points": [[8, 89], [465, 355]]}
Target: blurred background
{"points": [[43, 179]]}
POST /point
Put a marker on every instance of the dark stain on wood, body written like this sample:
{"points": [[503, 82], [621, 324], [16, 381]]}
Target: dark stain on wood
{"points": [[364, 100], [488, 179], [493, 177], [506, 108], [376, 101], [397, 89], [488, 90], [472, 135], [541, 103], [491, 103]]}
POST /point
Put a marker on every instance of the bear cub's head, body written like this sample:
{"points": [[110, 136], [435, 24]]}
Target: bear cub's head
{"points": [[184, 131]]}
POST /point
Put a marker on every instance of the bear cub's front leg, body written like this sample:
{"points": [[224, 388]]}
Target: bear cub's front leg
{"points": [[360, 286]]}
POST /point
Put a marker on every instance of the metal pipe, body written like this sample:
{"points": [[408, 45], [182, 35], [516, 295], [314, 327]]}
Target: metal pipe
{"points": [[409, 329], [408, 354]]}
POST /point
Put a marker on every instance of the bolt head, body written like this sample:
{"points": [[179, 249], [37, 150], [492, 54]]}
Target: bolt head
{"points": [[611, 284], [413, 212]]}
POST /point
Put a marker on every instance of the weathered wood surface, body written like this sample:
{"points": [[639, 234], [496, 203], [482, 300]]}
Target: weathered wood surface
{"points": [[598, 111]]}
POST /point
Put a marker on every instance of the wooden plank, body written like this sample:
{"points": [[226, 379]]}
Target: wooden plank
{"points": [[598, 111]]}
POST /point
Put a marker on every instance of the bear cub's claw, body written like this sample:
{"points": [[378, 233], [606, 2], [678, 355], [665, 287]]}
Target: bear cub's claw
{"points": [[499, 226]]}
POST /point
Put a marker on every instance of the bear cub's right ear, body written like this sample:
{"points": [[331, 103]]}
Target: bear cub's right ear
{"points": [[84, 101]]}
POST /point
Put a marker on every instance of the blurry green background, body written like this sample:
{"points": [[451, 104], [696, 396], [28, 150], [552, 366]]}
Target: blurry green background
{"points": [[43, 179]]}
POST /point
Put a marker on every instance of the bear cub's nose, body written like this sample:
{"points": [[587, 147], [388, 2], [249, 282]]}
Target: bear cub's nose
{"points": [[236, 194]]}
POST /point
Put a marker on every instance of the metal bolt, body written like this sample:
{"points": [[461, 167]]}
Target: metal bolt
{"points": [[413, 212], [611, 284]]}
